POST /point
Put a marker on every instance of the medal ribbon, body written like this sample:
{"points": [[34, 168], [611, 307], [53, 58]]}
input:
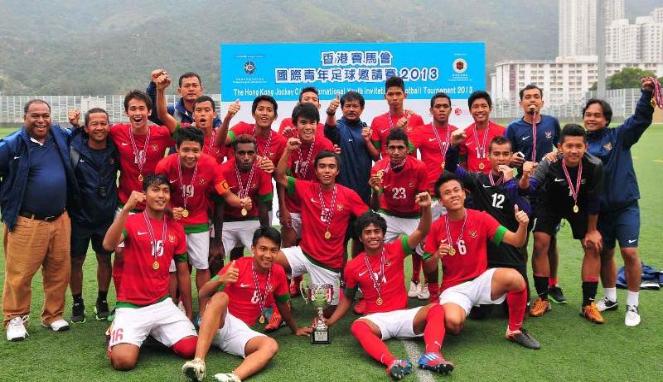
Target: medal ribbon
{"points": [[443, 145], [576, 190], [304, 166], [533, 138], [378, 279], [462, 230], [267, 145], [657, 97], [494, 182], [139, 160], [481, 150], [244, 190], [327, 213], [262, 297], [185, 195], [150, 231]]}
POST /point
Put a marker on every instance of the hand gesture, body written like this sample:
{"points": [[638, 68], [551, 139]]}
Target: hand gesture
{"points": [[231, 275], [305, 331], [375, 181], [366, 133], [517, 159], [458, 137], [401, 123], [293, 144], [333, 105], [528, 167], [177, 213], [337, 149], [521, 216], [265, 164], [423, 199], [507, 172], [233, 109], [246, 203], [74, 116], [553, 156], [593, 240], [162, 81], [444, 249], [135, 199]]}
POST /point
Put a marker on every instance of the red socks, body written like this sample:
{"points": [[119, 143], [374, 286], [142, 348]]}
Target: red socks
{"points": [[434, 330], [186, 347], [552, 281], [517, 302], [371, 343]]}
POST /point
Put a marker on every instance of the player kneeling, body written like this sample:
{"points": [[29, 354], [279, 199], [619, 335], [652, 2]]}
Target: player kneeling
{"points": [[247, 283], [459, 240], [151, 240]]}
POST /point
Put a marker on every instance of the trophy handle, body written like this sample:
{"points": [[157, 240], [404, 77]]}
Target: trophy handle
{"points": [[304, 291]]}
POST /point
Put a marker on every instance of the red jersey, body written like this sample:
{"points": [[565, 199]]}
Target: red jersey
{"points": [[477, 145], [470, 244], [383, 123], [260, 189], [159, 141], [276, 141], [333, 219], [392, 288], [208, 179], [141, 283], [245, 297], [300, 166], [288, 130], [431, 149], [210, 148], [400, 187]]}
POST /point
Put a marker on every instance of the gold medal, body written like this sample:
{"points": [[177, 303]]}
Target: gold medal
{"points": [[261, 319], [452, 251], [481, 166], [327, 235], [244, 212], [380, 174], [185, 213], [378, 302], [155, 265], [576, 209], [140, 177]]}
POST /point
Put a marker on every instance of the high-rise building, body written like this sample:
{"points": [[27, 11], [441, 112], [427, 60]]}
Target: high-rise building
{"points": [[641, 41], [577, 25]]}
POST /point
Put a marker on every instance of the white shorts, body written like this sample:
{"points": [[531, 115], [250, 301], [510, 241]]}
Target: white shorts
{"points": [[395, 324], [400, 226], [240, 232], [473, 292], [162, 320], [300, 264], [296, 220], [234, 335], [197, 247]]}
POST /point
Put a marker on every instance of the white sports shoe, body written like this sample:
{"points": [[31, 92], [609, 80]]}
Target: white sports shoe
{"points": [[414, 290], [605, 304], [59, 325], [632, 316], [194, 370], [16, 329], [424, 294], [227, 377]]}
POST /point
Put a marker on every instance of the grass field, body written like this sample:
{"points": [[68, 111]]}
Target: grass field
{"points": [[572, 348]]}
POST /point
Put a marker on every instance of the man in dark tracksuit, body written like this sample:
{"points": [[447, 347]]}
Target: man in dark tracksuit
{"points": [[619, 219]]}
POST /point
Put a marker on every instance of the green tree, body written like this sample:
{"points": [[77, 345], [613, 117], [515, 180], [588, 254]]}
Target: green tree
{"points": [[627, 78]]}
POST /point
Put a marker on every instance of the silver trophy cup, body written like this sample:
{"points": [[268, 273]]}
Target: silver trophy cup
{"points": [[320, 296]]}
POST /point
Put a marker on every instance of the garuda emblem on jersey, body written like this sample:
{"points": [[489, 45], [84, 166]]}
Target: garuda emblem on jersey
{"points": [[171, 238], [548, 134], [608, 146], [473, 234]]}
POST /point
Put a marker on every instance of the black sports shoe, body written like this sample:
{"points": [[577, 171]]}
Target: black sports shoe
{"points": [[101, 310], [78, 313], [522, 338], [556, 294]]}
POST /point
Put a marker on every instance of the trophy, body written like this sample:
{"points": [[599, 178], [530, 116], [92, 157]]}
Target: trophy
{"points": [[320, 296]]}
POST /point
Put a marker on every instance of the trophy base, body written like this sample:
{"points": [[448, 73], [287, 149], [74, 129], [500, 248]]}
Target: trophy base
{"points": [[320, 337]]}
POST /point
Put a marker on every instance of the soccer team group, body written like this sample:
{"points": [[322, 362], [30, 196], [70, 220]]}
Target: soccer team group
{"points": [[343, 186]]}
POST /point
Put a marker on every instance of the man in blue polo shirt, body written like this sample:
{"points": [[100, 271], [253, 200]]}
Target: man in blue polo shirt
{"points": [[36, 178], [95, 161]]}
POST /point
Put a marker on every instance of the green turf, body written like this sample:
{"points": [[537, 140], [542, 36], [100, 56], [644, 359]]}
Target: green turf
{"points": [[572, 349]]}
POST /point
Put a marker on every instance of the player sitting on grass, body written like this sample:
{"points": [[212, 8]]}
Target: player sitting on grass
{"points": [[241, 292]]}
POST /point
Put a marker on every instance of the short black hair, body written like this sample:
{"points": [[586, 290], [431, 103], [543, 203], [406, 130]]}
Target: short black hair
{"points": [[189, 75], [394, 81], [95, 110], [499, 140], [33, 101], [445, 178], [204, 98], [245, 138], [479, 94], [308, 89], [521, 93], [397, 135], [155, 180], [572, 130], [327, 154], [353, 96], [439, 95], [264, 97], [305, 110], [269, 233], [605, 108], [367, 219], [192, 134], [139, 95]]}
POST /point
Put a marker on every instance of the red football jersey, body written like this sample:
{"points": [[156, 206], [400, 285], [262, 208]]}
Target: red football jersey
{"points": [[244, 297], [392, 289], [328, 252], [424, 139], [288, 130], [300, 166], [159, 141], [259, 190], [383, 123], [471, 257], [401, 187], [141, 283], [477, 145], [217, 152], [276, 141], [208, 179]]}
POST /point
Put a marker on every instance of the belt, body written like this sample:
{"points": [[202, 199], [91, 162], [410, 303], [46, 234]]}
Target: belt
{"points": [[30, 215]]}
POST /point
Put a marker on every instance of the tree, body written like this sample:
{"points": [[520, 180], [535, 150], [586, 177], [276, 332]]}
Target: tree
{"points": [[627, 78]]}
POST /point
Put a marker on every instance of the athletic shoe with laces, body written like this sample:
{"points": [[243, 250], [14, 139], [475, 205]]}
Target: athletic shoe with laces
{"points": [[632, 316], [227, 377], [424, 293], [415, 289], [275, 322], [435, 362], [592, 314], [59, 325], [556, 294], [194, 370], [101, 311], [78, 313], [539, 307], [16, 328], [399, 369], [606, 304], [360, 307], [522, 338]]}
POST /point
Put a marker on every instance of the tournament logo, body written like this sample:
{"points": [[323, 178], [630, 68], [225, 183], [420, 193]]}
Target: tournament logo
{"points": [[249, 67], [459, 65], [458, 111]]}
